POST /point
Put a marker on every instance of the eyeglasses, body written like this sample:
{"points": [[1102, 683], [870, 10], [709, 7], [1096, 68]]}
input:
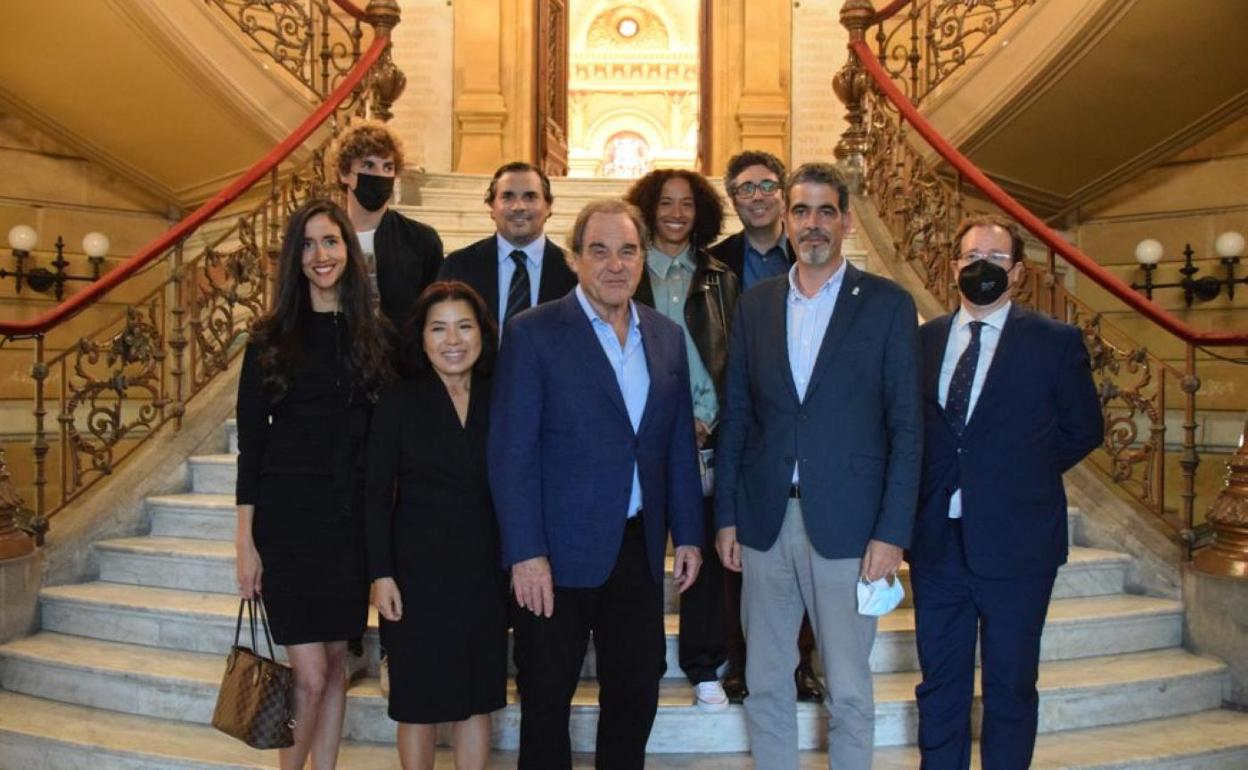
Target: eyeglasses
{"points": [[998, 258], [747, 189]]}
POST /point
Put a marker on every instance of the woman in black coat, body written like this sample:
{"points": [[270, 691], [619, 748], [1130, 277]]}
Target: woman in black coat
{"points": [[433, 544], [311, 371]]}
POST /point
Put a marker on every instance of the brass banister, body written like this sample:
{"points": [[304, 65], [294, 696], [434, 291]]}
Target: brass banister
{"points": [[112, 389]]}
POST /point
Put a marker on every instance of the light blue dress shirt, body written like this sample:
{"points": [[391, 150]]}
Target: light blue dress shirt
{"points": [[959, 338], [759, 267], [629, 364], [533, 254], [670, 278], [806, 321]]}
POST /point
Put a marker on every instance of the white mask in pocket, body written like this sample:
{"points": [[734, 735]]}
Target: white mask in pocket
{"points": [[879, 597]]}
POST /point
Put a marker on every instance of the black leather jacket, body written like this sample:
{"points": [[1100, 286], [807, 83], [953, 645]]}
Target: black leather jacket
{"points": [[709, 309]]}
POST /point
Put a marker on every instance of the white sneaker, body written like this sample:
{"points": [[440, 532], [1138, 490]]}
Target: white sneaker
{"points": [[710, 697]]}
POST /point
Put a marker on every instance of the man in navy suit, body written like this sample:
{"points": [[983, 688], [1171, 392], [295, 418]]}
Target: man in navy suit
{"points": [[517, 267], [1009, 405], [817, 470], [592, 462]]}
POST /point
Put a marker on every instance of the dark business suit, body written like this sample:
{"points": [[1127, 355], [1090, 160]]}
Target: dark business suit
{"points": [[477, 265], [856, 438], [561, 455], [1037, 415], [409, 254]]}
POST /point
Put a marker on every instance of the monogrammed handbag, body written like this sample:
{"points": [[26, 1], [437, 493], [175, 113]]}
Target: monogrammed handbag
{"points": [[256, 703]]}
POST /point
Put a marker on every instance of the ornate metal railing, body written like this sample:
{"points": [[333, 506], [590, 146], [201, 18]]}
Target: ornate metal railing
{"points": [[113, 388], [920, 198]]}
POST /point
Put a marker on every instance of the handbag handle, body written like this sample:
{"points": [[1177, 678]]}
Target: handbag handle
{"points": [[251, 621]]}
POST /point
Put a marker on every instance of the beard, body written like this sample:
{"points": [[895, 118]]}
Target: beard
{"points": [[814, 254]]}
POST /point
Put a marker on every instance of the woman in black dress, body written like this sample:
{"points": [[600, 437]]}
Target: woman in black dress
{"points": [[312, 368], [433, 545]]}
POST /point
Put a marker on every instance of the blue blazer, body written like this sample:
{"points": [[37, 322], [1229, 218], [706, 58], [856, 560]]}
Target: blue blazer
{"points": [[561, 447], [857, 434], [1037, 415]]}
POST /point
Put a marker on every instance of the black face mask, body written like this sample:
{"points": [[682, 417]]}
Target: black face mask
{"points": [[373, 191], [983, 281]]}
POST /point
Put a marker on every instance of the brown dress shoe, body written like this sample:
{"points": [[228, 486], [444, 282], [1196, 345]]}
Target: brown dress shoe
{"points": [[809, 688], [734, 684]]}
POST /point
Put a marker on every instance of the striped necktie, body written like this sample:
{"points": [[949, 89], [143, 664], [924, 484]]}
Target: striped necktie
{"points": [[518, 292]]}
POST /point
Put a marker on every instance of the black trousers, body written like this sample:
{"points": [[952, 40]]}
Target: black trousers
{"points": [[702, 644], [625, 616]]}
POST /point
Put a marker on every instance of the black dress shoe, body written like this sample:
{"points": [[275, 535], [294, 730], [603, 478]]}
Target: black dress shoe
{"points": [[734, 685], [809, 688]]}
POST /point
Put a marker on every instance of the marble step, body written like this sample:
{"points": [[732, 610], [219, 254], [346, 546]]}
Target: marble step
{"points": [[204, 622], [198, 564], [46, 735], [1073, 694]]}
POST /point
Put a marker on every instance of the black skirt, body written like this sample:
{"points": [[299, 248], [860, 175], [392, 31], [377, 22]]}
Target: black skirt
{"points": [[314, 582]]}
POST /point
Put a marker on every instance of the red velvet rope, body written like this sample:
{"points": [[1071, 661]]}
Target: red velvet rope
{"points": [[1082, 262], [81, 300]]}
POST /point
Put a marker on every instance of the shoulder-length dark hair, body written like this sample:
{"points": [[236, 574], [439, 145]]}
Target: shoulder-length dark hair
{"points": [[708, 216], [415, 360], [279, 334]]}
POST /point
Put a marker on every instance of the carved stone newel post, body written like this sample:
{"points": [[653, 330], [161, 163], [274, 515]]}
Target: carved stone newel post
{"points": [[850, 85], [1228, 554], [388, 81], [13, 541]]}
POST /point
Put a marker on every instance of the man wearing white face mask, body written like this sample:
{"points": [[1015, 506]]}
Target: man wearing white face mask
{"points": [[1008, 406], [402, 255]]}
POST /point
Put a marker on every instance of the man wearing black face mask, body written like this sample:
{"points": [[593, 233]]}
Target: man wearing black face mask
{"points": [[403, 255], [1009, 405]]}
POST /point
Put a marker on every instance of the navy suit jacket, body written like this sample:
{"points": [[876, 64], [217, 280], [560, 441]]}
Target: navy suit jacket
{"points": [[561, 446], [1037, 415], [477, 265], [857, 433]]}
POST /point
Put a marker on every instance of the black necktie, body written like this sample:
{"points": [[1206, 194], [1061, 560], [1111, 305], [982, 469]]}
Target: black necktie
{"points": [[518, 292], [958, 400]]}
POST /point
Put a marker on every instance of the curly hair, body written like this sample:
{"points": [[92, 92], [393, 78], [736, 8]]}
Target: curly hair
{"points": [[412, 354], [708, 217], [278, 334], [743, 160], [364, 139]]}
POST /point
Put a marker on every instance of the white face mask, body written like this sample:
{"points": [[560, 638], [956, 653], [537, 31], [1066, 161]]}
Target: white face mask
{"points": [[879, 597]]}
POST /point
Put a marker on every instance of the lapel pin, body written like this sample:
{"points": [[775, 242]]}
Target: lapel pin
{"points": [[855, 291]]}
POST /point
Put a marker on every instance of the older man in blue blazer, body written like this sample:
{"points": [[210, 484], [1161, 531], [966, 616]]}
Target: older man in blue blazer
{"points": [[592, 462], [1009, 405], [817, 470]]}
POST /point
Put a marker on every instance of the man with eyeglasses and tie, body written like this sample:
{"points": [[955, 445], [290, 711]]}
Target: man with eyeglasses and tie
{"points": [[1008, 406], [755, 183], [517, 267]]}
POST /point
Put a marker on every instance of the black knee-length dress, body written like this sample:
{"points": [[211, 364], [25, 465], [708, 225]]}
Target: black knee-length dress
{"points": [[431, 527], [299, 464]]}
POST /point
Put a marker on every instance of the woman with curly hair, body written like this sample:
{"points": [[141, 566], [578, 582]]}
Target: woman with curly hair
{"points": [[689, 286], [312, 369]]}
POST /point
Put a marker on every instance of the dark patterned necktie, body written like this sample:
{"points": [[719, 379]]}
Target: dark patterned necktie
{"points": [[958, 400], [518, 292]]}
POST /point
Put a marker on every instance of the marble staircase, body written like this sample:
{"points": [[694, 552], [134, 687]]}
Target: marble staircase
{"points": [[124, 670]]}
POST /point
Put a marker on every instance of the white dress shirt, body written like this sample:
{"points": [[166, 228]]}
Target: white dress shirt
{"points": [[959, 338]]}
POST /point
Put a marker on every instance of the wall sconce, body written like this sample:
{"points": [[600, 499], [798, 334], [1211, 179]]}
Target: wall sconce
{"points": [[1229, 246], [22, 240]]}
